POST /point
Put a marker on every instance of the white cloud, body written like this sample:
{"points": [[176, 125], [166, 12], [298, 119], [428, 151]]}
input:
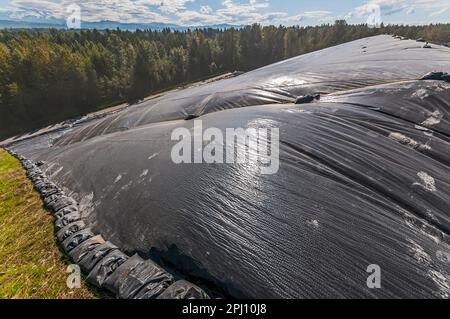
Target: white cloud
{"points": [[189, 17], [36, 8], [319, 17], [316, 14], [190, 12], [114, 10], [169, 6], [231, 12], [205, 9], [146, 11], [411, 10], [439, 12], [349, 16], [389, 7]]}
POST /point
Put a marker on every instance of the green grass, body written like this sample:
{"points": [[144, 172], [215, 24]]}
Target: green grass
{"points": [[31, 264]]}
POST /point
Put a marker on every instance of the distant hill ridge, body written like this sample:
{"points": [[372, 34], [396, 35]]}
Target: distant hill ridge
{"points": [[103, 25]]}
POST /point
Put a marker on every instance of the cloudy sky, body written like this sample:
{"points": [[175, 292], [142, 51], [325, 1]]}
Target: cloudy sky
{"points": [[206, 12]]}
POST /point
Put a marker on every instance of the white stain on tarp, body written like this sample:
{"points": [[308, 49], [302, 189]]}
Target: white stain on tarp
{"points": [[144, 173], [126, 186], [153, 156], [431, 216], [434, 119], [313, 223], [423, 227], [118, 178], [420, 93], [426, 181], [441, 86], [438, 276], [122, 189], [55, 173], [420, 128], [442, 281], [86, 204], [403, 139], [425, 130], [443, 256], [419, 254]]}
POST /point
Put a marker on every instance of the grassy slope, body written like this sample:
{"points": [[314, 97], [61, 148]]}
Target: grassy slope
{"points": [[31, 264]]}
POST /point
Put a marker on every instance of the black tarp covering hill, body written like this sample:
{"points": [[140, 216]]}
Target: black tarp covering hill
{"points": [[369, 61], [364, 177]]}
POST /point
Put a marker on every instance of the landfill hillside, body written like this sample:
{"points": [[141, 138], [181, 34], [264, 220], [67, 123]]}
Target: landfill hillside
{"points": [[363, 179]]}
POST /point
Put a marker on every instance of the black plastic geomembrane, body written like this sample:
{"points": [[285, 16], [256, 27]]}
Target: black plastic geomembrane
{"points": [[363, 179]]}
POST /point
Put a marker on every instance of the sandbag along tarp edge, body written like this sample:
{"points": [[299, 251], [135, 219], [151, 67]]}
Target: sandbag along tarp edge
{"points": [[113, 271]]}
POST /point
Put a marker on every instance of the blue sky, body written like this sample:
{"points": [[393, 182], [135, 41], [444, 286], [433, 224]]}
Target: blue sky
{"points": [[206, 12]]}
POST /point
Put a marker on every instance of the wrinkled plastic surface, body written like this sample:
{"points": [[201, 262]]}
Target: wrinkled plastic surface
{"points": [[364, 178]]}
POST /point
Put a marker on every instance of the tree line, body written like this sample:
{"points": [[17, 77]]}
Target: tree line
{"points": [[47, 76]]}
